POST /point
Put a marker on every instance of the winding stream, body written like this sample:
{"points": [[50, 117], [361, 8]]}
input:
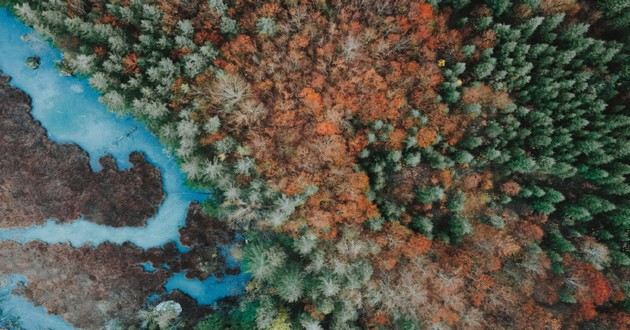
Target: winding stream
{"points": [[68, 109]]}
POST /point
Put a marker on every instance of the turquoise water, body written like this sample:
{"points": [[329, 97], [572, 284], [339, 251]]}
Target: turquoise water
{"points": [[209, 290], [31, 317], [68, 109]]}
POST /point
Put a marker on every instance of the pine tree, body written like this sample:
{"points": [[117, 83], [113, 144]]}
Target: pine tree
{"points": [[263, 262], [266, 26], [290, 285], [458, 227], [558, 243], [423, 225], [499, 6], [456, 201], [428, 195]]}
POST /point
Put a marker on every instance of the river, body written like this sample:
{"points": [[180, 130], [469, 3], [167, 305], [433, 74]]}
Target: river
{"points": [[68, 108]]}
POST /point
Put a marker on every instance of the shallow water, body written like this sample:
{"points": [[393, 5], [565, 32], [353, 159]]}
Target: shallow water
{"points": [[209, 290], [68, 109], [31, 317]]}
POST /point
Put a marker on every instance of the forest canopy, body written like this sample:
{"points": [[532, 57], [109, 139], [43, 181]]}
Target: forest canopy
{"points": [[393, 164]]}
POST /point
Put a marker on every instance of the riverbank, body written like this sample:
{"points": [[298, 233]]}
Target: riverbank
{"points": [[42, 180], [97, 216], [91, 286]]}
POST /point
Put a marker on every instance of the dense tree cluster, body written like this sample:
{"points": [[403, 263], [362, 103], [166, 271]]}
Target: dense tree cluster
{"points": [[393, 164], [561, 134]]}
